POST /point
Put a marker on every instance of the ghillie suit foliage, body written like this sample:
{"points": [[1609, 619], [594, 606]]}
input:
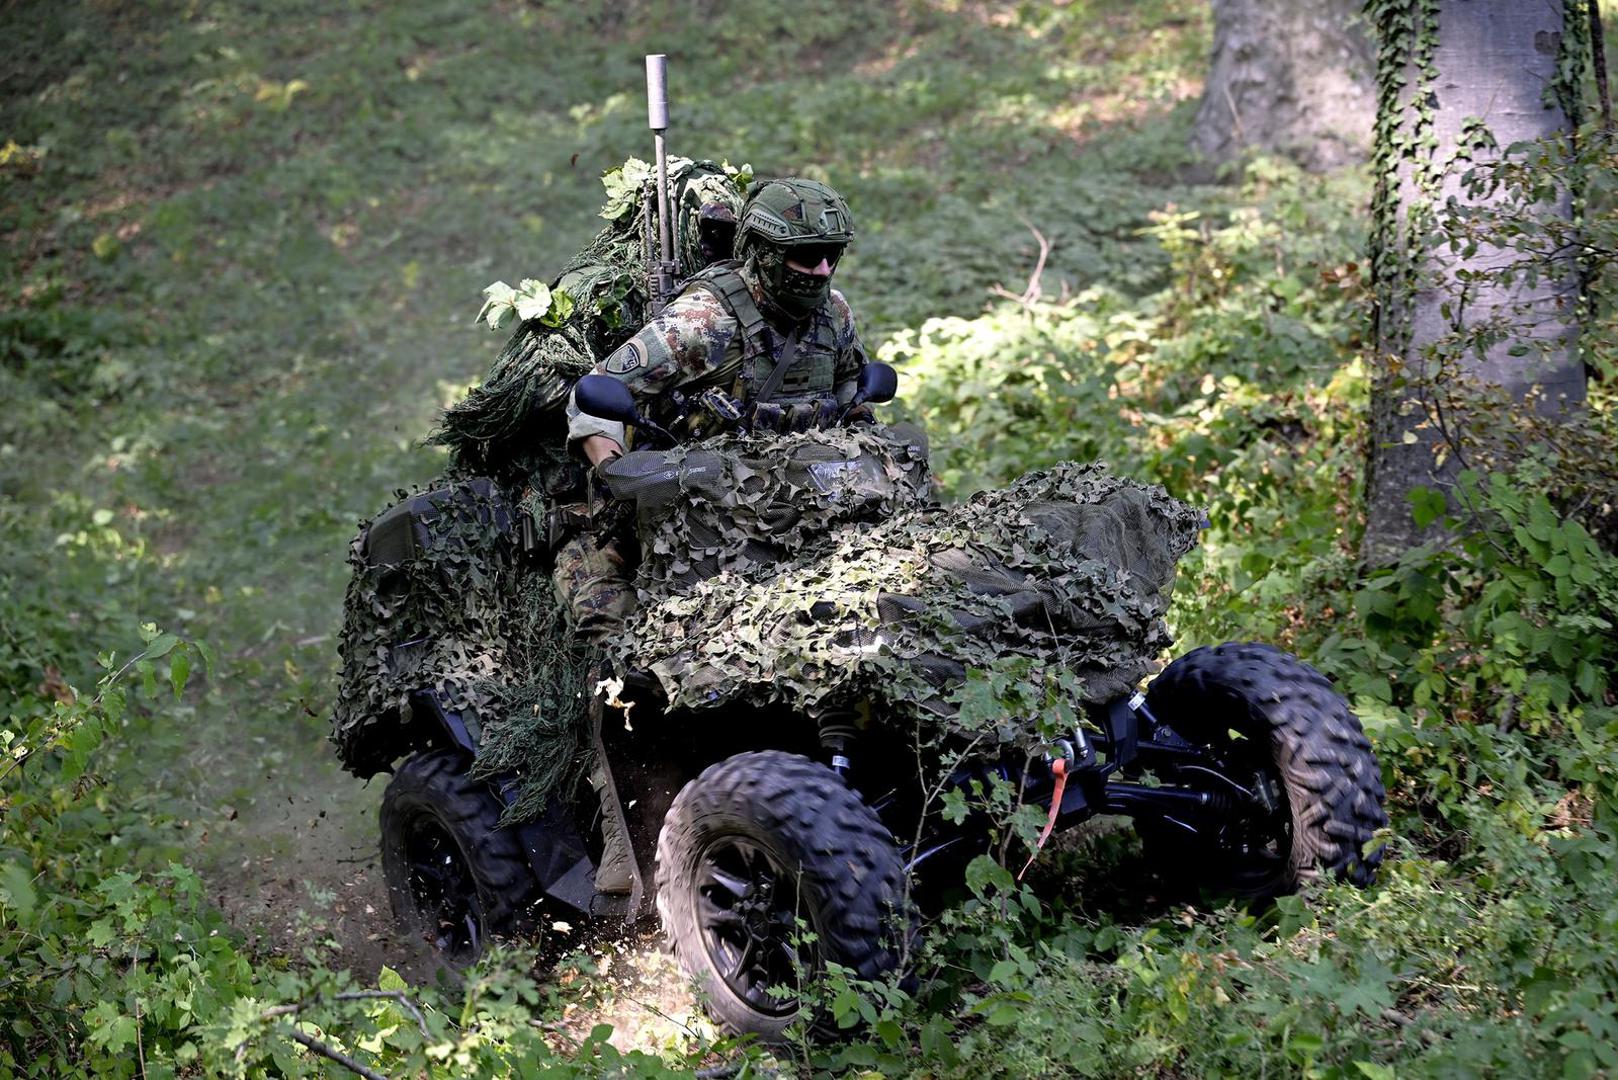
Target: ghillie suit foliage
{"points": [[511, 427]]}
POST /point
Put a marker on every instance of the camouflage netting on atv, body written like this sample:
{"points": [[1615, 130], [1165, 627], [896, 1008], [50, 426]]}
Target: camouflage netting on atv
{"points": [[741, 503], [1070, 567], [512, 425], [437, 602]]}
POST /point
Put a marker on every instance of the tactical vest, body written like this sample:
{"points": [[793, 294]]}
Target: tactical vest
{"points": [[813, 372]]}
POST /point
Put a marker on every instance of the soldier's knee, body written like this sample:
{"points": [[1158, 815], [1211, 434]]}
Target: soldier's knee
{"points": [[593, 584]]}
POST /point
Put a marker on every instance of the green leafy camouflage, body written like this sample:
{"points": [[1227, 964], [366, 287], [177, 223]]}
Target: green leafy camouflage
{"points": [[738, 503], [511, 425], [428, 606], [453, 609]]}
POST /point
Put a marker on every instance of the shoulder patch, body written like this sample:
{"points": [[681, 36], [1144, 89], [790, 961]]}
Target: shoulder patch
{"points": [[626, 358]]}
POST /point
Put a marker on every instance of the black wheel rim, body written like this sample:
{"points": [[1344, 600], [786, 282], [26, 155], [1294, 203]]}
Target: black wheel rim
{"points": [[748, 908], [443, 889]]}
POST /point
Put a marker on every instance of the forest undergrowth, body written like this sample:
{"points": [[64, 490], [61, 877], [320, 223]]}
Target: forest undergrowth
{"points": [[243, 253]]}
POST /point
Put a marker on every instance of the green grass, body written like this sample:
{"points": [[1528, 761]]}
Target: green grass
{"points": [[243, 246]]}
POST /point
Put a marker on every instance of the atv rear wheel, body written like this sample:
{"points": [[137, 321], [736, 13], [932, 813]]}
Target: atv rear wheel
{"points": [[1307, 790], [755, 845], [455, 877]]}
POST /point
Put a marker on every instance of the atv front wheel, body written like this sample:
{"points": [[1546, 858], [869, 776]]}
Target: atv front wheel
{"points": [[1286, 753], [768, 867], [454, 875]]}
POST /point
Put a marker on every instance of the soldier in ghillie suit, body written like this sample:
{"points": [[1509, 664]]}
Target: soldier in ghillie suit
{"points": [[510, 427], [438, 598], [763, 339]]}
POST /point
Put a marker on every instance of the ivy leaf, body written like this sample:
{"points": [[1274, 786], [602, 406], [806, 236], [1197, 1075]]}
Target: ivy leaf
{"points": [[16, 888]]}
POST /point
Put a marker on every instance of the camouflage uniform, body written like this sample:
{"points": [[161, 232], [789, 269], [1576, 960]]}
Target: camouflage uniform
{"points": [[711, 337]]}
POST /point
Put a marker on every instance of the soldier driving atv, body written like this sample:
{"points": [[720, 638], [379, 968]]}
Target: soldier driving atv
{"points": [[763, 339]]}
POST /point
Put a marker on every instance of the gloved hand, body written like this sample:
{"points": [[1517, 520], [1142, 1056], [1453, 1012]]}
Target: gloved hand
{"points": [[722, 410], [860, 414]]}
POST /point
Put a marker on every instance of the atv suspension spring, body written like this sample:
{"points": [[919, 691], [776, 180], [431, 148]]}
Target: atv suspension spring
{"points": [[837, 730]]}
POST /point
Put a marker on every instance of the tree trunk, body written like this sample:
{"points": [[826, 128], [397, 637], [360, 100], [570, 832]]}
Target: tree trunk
{"points": [[1288, 76], [1459, 81]]}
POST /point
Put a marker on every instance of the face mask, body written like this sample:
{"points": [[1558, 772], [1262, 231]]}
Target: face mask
{"points": [[793, 291]]}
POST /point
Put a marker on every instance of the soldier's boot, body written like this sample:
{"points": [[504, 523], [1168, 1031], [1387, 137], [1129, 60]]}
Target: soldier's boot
{"points": [[614, 875]]}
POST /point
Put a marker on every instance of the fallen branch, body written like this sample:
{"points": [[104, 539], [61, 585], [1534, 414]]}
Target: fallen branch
{"points": [[335, 1055], [398, 997], [1032, 291]]}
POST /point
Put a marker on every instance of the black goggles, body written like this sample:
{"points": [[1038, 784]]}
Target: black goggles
{"points": [[811, 255]]}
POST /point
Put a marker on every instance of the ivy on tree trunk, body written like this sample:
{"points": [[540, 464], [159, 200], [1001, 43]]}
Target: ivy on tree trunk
{"points": [[1461, 85]]}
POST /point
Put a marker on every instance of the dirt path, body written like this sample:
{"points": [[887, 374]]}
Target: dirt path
{"points": [[293, 860], [295, 867]]}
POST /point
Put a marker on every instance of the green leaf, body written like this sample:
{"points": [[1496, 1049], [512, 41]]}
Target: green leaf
{"points": [[499, 305], [1426, 506], [1306, 1043], [1005, 1014], [623, 186], [937, 1040], [1294, 915], [983, 872], [179, 671], [206, 652], [533, 299], [17, 889], [561, 308], [160, 646], [391, 980]]}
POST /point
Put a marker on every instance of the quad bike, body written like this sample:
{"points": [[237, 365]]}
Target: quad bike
{"points": [[764, 796]]}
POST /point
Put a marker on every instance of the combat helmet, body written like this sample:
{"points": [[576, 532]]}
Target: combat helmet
{"points": [[803, 220]]}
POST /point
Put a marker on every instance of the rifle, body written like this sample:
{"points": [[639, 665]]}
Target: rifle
{"points": [[661, 272]]}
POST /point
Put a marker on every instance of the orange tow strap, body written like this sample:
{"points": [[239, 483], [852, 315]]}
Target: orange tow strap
{"points": [[1058, 770]]}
